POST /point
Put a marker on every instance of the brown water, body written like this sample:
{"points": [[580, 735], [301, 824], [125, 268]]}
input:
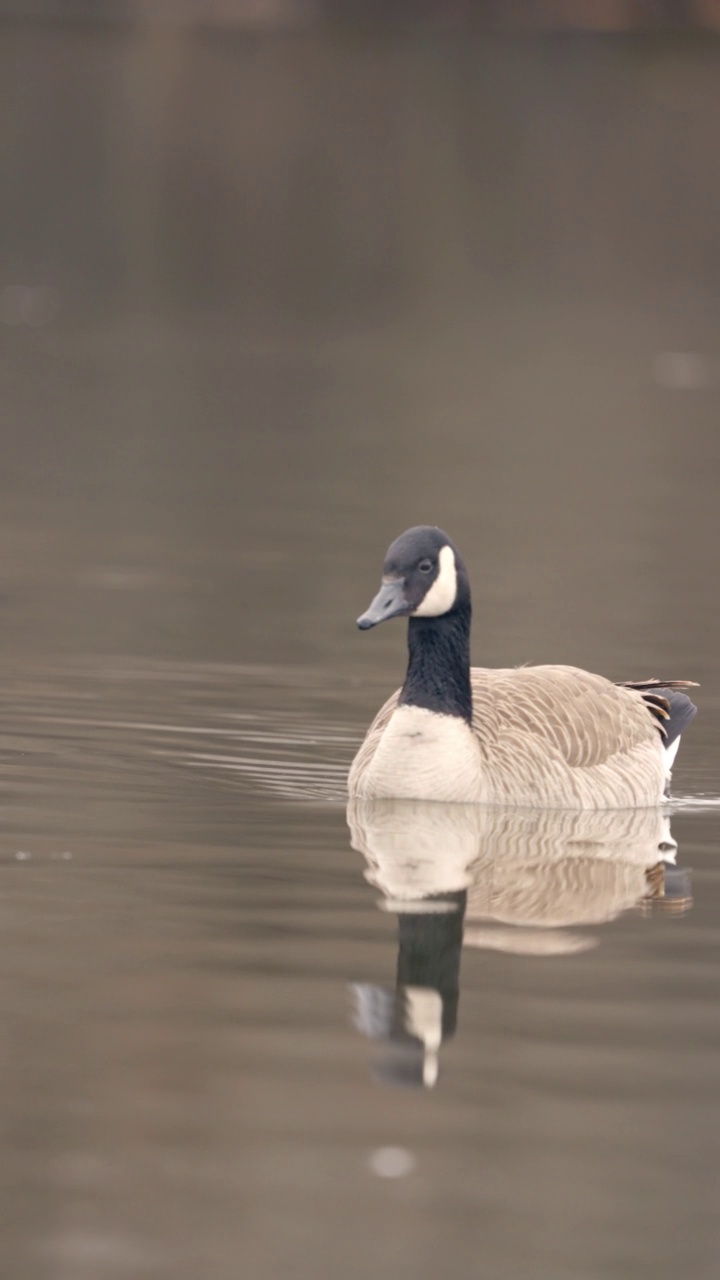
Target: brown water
{"points": [[274, 332]]}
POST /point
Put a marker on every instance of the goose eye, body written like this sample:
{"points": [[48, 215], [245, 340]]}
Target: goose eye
{"points": [[425, 566]]}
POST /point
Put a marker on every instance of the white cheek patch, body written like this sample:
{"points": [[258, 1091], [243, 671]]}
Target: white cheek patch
{"points": [[443, 592]]}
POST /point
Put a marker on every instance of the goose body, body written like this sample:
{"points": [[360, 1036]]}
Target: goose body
{"points": [[546, 736]]}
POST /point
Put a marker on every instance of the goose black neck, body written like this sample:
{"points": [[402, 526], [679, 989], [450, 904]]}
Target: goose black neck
{"points": [[438, 674]]}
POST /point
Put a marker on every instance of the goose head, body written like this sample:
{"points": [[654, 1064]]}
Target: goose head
{"points": [[423, 577]]}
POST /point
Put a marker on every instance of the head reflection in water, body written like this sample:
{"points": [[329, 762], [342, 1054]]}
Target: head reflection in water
{"points": [[513, 880]]}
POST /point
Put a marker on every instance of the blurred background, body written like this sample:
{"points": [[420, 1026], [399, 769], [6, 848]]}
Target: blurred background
{"points": [[273, 289], [279, 278]]}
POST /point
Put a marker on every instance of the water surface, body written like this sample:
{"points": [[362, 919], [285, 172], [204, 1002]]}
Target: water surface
{"points": [[263, 360]]}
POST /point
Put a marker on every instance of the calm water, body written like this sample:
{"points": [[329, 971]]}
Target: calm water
{"points": [[220, 1005]]}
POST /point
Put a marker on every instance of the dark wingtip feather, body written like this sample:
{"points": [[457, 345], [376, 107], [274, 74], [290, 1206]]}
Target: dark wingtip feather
{"points": [[659, 685], [672, 709]]}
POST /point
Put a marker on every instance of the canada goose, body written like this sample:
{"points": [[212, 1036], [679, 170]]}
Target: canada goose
{"points": [[549, 736]]}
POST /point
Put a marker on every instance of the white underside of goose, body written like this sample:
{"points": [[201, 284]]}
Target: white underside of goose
{"points": [[670, 754], [424, 754]]}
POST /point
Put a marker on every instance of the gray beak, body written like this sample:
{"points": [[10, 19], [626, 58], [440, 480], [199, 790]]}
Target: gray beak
{"points": [[389, 602]]}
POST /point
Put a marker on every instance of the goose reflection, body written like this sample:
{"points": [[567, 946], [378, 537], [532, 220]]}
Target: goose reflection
{"points": [[514, 880]]}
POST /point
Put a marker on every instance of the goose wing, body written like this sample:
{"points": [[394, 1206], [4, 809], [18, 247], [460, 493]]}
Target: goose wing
{"points": [[578, 717]]}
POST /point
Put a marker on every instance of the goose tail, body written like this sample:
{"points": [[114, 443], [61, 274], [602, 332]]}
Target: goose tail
{"points": [[670, 705]]}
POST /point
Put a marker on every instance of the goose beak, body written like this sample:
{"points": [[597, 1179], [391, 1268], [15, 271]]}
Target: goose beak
{"points": [[389, 602]]}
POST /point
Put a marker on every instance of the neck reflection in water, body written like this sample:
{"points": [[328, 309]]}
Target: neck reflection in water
{"points": [[513, 880]]}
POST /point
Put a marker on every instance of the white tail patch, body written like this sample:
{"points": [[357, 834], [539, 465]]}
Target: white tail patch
{"points": [[670, 754], [443, 592]]}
